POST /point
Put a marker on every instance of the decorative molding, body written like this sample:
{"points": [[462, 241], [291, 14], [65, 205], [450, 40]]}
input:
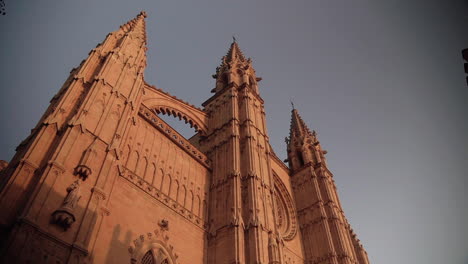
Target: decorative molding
{"points": [[105, 211], [57, 165], [31, 165], [285, 198], [163, 198], [82, 171], [99, 192], [164, 224], [158, 243]]}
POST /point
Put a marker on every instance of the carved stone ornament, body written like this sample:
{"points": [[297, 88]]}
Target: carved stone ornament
{"points": [[64, 216], [152, 247], [82, 171], [273, 251], [285, 211], [164, 224]]}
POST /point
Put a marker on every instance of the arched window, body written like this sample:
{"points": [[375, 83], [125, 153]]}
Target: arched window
{"points": [[148, 258], [152, 252], [300, 158]]}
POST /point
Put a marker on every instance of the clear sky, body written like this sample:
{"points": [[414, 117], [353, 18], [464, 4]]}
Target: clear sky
{"points": [[382, 83]]}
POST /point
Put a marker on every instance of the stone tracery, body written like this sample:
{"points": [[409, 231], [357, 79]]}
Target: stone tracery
{"points": [[286, 220], [152, 248]]}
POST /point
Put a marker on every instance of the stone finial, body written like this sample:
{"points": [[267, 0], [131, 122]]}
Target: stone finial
{"points": [[143, 13], [164, 224]]}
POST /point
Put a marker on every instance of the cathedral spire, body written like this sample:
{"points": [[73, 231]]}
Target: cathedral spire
{"points": [[302, 145], [235, 70], [137, 26], [298, 126], [234, 53]]}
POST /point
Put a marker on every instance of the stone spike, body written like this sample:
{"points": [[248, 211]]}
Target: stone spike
{"points": [[298, 126], [234, 53], [137, 25]]}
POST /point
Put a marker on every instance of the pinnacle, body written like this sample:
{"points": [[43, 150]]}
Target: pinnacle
{"points": [[234, 52], [136, 25], [298, 126]]}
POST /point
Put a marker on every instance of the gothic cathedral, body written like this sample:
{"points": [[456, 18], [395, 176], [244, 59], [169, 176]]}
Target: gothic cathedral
{"points": [[103, 179]]}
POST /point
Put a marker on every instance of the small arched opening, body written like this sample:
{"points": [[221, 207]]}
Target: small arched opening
{"points": [[300, 158], [148, 258], [178, 122]]}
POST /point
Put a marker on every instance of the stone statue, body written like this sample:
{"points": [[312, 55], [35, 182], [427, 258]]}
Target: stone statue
{"points": [[273, 249], [64, 216], [73, 195]]}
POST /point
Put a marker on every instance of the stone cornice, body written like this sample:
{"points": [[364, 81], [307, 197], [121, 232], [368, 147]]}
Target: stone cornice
{"points": [[163, 198], [227, 87], [221, 128]]}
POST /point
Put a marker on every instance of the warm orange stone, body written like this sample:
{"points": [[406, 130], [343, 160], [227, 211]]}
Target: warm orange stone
{"points": [[102, 179]]}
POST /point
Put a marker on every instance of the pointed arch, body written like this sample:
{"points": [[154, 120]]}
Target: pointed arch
{"points": [[166, 183], [174, 190], [157, 181], [150, 173], [181, 196], [204, 210], [126, 154], [196, 205], [189, 202], [141, 167], [133, 161], [148, 258], [152, 248]]}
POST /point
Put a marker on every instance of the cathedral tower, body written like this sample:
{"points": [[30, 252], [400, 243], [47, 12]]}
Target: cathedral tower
{"points": [[103, 179], [241, 207], [78, 135], [321, 217]]}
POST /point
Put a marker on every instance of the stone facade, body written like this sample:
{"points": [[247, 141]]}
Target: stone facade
{"points": [[103, 179]]}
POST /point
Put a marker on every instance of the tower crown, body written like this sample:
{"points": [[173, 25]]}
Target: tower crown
{"points": [[235, 69], [136, 26], [234, 53], [302, 145], [298, 126], [299, 133]]}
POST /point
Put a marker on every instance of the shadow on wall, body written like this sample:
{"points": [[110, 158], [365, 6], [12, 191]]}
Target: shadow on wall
{"points": [[115, 250], [56, 220]]}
